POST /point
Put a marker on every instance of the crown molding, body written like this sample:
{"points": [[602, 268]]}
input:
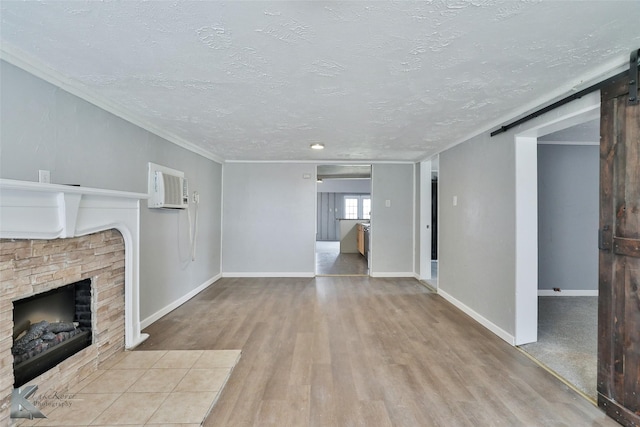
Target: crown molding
{"points": [[37, 68]]}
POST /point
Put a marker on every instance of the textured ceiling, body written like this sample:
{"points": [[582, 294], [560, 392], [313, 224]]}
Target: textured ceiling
{"points": [[371, 80]]}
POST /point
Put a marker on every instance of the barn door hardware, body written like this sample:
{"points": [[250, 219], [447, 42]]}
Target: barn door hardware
{"points": [[633, 94], [604, 238], [633, 78]]}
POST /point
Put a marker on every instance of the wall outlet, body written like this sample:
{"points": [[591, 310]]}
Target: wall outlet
{"points": [[196, 197], [44, 176], [387, 203], [455, 200]]}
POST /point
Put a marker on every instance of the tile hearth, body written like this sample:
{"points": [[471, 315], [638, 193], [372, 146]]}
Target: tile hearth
{"points": [[162, 387]]}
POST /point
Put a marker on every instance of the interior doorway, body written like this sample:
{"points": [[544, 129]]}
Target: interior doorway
{"points": [[568, 212], [429, 175], [526, 228], [434, 225], [343, 220]]}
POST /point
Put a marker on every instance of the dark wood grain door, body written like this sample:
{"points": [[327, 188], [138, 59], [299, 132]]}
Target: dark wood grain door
{"points": [[619, 301]]}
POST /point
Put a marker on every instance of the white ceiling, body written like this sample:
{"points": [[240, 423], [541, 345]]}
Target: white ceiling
{"points": [[371, 80], [588, 132]]}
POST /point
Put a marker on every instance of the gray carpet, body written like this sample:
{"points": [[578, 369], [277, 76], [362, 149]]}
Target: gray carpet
{"points": [[568, 338]]}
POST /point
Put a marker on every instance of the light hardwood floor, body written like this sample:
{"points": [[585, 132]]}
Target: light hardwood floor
{"points": [[360, 351]]}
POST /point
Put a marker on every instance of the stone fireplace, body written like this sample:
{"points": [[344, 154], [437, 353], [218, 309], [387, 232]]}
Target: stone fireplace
{"points": [[52, 236]]}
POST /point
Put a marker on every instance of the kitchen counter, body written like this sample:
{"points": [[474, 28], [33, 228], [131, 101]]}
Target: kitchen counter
{"points": [[362, 238]]}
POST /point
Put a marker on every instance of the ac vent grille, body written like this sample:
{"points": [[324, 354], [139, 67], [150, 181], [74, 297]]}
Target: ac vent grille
{"points": [[167, 188], [172, 189]]}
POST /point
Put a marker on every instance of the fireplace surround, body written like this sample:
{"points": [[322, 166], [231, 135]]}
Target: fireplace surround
{"points": [[53, 235]]}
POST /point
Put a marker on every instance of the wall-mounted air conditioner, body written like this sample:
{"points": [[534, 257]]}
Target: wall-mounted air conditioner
{"points": [[167, 188]]}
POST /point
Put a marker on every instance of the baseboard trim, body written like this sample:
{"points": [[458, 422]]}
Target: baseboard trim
{"points": [[177, 303], [428, 286], [568, 293], [424, 279], [478, 317], [289, 274], [398, 274]]}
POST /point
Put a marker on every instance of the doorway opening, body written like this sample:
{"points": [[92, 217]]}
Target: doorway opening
{"points": [[562, 181], [429, 173], [434, 224], [343, 220]]}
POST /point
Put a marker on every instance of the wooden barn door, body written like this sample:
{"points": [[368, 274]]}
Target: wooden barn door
{"points": [[619, 301]]}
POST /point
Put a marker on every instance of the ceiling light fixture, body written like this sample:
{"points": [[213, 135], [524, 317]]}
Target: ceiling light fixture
{"points": [[317, 146]]}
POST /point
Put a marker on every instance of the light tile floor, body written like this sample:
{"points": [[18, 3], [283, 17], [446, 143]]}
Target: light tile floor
{"points": [[144, 388]]}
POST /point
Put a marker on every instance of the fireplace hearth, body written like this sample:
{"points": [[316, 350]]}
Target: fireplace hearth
{"points": [[50, 327], [52, 235], [36, 268]]}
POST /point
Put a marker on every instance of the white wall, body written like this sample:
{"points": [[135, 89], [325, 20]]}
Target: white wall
{"points": [[392, 228], [568, 206], [44, 127], [269, 219]]}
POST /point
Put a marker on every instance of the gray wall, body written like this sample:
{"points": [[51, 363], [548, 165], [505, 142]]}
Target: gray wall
{"points": [[392, 229], [330, 209], [356, 186], [477, 237], [269, 219], [568, 203], [44, 127]]}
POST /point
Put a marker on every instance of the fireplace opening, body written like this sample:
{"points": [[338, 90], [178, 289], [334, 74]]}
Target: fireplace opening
{"points": [[49, 328]]}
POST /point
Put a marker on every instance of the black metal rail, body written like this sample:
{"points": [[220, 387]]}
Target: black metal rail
{"points": [[633, 94]]}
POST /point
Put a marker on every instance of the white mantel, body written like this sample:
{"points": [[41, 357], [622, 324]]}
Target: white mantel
{"points": [[31, 210]]}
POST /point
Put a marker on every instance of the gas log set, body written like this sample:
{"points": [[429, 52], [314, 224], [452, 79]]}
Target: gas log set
{"points": [[35, 339], [38, 347]]}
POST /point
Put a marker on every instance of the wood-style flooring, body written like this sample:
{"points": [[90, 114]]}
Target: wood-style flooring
{"points": [[331, 262], [360, 351]]}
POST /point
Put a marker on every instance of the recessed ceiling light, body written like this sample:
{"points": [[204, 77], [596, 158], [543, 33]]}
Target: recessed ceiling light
{"points": [[317, 146]]}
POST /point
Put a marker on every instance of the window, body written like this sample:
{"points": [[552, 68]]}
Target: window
{"points": [[351, 207], [357, 207], [366, 207]]}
